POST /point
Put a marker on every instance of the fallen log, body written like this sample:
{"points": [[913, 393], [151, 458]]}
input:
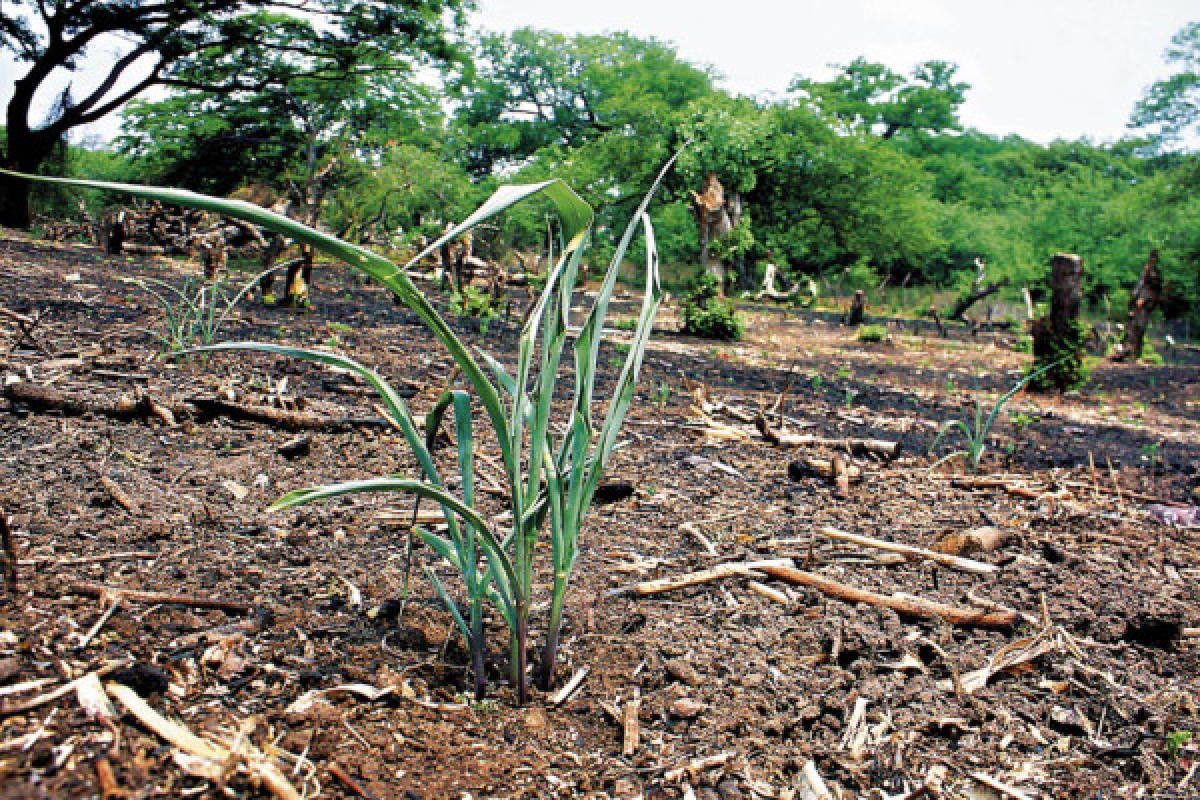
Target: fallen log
{"points": [[877, 447], [945, 559], [209, 407], [46, 398], [901, 604], [41, 398], [158, 598]]}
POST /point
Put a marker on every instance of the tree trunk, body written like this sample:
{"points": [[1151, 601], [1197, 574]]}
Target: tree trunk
{"points": [[858, 307], [713, 217], [1142, 303], [25, 151], [15, 211], [978, 291], [1059, 338]]}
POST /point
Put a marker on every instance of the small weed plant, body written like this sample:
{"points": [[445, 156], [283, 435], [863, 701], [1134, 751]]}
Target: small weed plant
{"points": [[662, 395], [552, 466], [706, 314], [193, 314], [872, 333], [976, 435], [475, 302]]}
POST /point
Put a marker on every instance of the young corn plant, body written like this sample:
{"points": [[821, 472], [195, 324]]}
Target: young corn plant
{"points": [[550, 481], [192, 315], [976, 437]]}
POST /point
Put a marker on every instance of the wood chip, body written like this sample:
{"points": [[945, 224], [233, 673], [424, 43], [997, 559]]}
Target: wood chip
{"points": [[629, 724]]}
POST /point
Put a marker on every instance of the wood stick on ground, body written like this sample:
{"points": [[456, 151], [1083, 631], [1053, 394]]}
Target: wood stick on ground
{"points": [[70, 562], [47, 398], [91, 634], [159, 598], [813, 785], [107, 780], [631, 732], [911, 606], [354, 786], [1113, 473], [565, 693], [9, 547], [119, 495], [43, 398], [768, 592], [660, 585], [945, 559], [829, 469], [61, 691], [692, 529], [1003, 788], [260, 767], [278, 418], [26, 326], [1123, 493], [695, 767], [877, 447]]}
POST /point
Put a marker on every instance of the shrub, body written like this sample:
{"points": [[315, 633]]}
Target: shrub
{"points": [[1151, 356], [872, 333], [1058, 363], [705, 313]]}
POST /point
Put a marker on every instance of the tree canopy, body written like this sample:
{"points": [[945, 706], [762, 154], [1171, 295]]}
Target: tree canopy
{"points": [[1172, 106], [211, 46], [866, 95]]}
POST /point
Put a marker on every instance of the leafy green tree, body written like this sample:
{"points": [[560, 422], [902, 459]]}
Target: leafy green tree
{"points": [[1172, 106], [866, 95], [534, 89], [334, 37], [824, 201]]}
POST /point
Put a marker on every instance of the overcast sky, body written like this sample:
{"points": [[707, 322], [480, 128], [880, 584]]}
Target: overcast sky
{"points": [[1044, 69]]}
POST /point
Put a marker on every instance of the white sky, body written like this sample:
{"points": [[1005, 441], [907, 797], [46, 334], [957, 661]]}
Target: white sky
{"points": [[1044, 69]]}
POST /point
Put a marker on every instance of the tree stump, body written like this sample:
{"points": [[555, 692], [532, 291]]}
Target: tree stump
{"points": [[717, 214], [1059, 338], [858, 307], [115, 233], [1142, 303]]}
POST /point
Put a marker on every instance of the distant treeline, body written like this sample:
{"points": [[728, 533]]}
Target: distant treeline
{"points": [[867, 177]]}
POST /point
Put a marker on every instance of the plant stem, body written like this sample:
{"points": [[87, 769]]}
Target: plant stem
{"points": [[550, 651], [477, 651], [522, 685]]}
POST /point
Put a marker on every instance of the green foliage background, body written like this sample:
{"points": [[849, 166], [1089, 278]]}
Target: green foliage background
{"points": [[865, 179]]}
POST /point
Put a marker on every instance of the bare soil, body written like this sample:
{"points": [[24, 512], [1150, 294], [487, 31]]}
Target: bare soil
{"points": [[738, 690]]}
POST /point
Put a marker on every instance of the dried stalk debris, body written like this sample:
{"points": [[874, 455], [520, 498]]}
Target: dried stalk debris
{"points": [[159, 598], [900, 603], [947, 560]]}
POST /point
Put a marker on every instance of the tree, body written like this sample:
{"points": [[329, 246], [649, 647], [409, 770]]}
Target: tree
{"points": [[535, 89], [335, 38], [1172, 106], [869, 96]]}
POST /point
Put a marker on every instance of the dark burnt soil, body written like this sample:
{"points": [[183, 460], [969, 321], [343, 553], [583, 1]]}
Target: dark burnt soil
{"points": [[739, 686]]}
